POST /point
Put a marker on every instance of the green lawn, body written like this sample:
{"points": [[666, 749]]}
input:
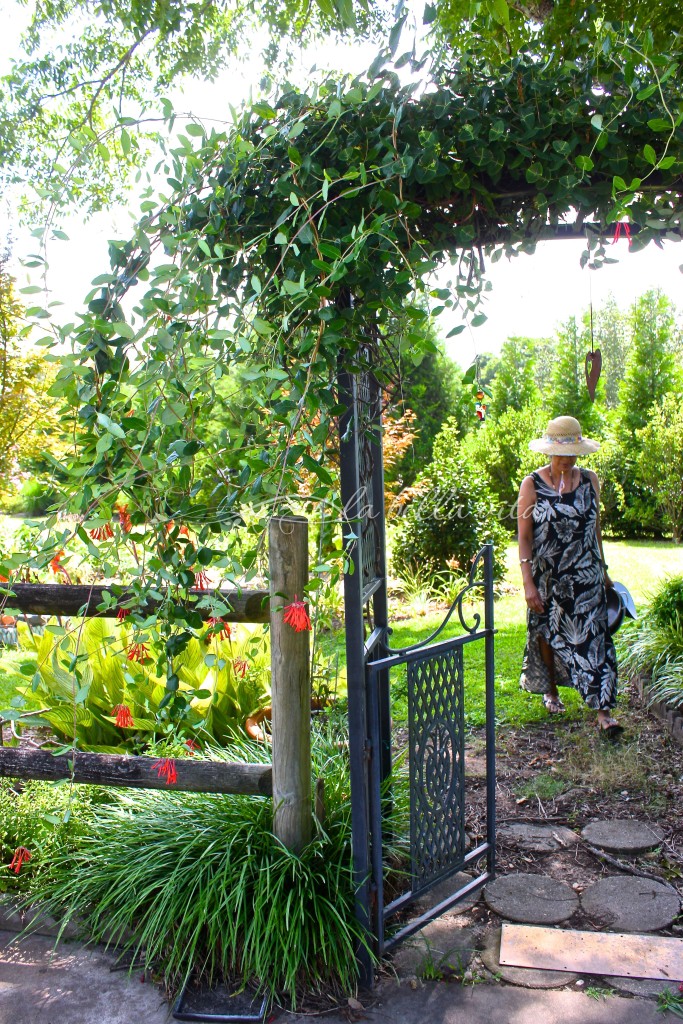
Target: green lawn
{"points": [[637, 564]]}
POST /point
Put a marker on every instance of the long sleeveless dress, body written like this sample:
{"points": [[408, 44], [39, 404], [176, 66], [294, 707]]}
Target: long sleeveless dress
{"points": [[567, 570]]}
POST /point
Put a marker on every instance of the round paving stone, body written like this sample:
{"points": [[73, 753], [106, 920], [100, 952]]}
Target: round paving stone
{"points": [[527, 977], [623, 835], [539, 838], [627, 904], [445, 889], [532, 899]]}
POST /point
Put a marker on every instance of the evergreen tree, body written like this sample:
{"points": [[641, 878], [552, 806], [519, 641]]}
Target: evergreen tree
{"points": [[652, 368], [610, 335], [514, 385], [569, 394], [434, 391]]}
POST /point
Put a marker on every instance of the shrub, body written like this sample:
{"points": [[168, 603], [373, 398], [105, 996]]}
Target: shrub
{"points": [[43, 818], [666, 607], [499, 452], [654, 646], [83, 675], [451, 516], [203, 884]]}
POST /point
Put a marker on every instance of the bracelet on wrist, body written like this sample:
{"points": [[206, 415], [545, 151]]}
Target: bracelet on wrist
{"points": [[523, 560]]}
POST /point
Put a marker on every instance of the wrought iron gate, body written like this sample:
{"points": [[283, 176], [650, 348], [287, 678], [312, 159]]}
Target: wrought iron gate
{"points": [[436, 695]]}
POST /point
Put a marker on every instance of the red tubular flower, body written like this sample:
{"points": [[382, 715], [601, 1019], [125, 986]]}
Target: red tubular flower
{"points": [[165, 769], [201, 580], [21, 856], [296, 616], [617, 231], [122, 613], [3, 579], [124, 718], [239, 667], [102, 532], [124, 518], [192, 745], [137, 652], [219, 628], [183, 532], [56, 564]]}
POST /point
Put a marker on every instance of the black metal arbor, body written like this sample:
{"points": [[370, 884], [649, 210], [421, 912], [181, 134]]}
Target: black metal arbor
{"points": [[435, 679]]}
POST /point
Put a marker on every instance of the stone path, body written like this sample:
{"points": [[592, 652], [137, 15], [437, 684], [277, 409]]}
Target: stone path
{"points": [[460, 942]]}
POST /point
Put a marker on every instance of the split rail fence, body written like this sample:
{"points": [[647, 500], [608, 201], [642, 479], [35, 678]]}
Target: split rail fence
{"points": [[288, 779]]}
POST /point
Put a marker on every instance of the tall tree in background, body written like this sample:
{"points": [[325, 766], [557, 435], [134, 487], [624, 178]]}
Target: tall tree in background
{"points": [[434, 391], [653, 368], [568, 395], [610, 335], [514, 385], [29, 423]]}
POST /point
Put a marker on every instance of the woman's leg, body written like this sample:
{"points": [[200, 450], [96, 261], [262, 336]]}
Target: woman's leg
{"points": [[551, 699]]}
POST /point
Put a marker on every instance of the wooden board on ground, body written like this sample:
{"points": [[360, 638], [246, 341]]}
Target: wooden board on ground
{"points": [[621, 954]]}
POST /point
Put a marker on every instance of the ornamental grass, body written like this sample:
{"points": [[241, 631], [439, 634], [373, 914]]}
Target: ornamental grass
{"points": [[197, 885]]}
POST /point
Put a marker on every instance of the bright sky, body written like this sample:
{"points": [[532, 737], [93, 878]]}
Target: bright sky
{"points": [[531, 295]]}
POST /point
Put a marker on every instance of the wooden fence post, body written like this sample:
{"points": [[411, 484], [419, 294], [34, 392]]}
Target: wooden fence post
{"points": [[290, 684]]}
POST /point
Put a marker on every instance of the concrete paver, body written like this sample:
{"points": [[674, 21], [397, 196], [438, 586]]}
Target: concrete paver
{"points": [[71, 985]]}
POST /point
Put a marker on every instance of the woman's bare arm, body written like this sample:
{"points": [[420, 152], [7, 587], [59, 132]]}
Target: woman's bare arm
{"points": [[525, 534]]}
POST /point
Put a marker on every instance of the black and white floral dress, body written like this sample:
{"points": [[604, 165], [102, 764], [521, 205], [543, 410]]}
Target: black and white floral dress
{"points": [[567, 570]]}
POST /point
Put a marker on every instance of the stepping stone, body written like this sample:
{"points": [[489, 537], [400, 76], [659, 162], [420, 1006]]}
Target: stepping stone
{"points": [[532, 899], [527, 977], [443, 948], [445, 889], [539, 838], [623, 835], [629, 904]]}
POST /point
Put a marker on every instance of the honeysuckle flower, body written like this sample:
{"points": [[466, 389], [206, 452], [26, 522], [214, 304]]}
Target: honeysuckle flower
{"points": [[165, 769], [192, 745], [239, 667], [123, 613], [201, 580], [56, 563], [219, 628], [124, 717], [21, 856], [102, 532], [124, 518], [296, 616], [137, 652]]}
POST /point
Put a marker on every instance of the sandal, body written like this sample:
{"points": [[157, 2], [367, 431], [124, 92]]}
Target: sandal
{"points": [[553, 705], [611, 730]]}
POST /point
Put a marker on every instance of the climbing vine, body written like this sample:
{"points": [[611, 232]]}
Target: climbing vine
{"points": [[292, 246]]}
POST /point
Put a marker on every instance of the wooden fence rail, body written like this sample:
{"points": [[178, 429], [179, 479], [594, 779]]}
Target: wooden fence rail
{"points": [[66, 599], [137, 772]]}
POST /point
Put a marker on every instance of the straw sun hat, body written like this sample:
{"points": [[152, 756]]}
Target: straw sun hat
{"points": [[563, 437]]}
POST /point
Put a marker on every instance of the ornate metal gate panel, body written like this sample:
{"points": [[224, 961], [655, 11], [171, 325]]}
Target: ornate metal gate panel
{"points": [[435, 681]]}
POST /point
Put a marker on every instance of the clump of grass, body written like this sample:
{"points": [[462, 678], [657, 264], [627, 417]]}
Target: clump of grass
{"points": [[205, 887], [544, 786], [607, 767]]}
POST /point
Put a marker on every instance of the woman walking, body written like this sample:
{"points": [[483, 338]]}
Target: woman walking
{"points": [[565, 578]]}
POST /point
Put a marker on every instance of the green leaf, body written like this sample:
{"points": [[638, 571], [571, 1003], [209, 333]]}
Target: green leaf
{"points": [[666, 162], [596, 121], [110, 426], [649, 154], [194, 129], [584, 163]]}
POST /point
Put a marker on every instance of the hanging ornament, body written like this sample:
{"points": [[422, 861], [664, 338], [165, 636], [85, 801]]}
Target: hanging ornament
{"points": [[593, 362], [480, 405]]}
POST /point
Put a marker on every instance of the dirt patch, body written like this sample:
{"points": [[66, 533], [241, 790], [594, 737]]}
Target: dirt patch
{"points": [[565, 773]]}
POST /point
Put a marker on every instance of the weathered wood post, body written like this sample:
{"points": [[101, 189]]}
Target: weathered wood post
{"points": [[290, 684]]}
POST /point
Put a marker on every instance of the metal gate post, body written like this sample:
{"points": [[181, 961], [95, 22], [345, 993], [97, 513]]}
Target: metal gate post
{"points": [[355, 666], [490, 711]]}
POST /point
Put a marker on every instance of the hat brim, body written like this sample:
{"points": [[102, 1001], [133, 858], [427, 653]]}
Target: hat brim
{"points": [[583, 447]]}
